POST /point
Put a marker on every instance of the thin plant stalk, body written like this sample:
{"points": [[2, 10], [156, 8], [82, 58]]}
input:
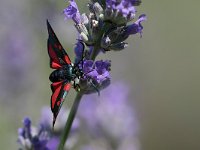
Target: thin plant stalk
{"points": [[70, 120]]}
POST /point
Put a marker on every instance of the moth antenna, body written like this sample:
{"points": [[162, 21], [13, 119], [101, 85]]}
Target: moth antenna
{"points": [[82, 55]]}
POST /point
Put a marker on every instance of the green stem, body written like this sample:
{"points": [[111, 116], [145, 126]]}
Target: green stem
{"points": [[97, 46], [70, 120], [95, 52]]}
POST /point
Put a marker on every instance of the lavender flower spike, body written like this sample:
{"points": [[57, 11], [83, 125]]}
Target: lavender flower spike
{"points": [[31, 138], [72, 12], [103, 29]]}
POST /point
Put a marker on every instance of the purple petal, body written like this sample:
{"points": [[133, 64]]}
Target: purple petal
{"points": [[79, 48], [53, 143], [39, 144], [87, 66], [112, 114], [27, 122], [136, 27], [72, 12], [103, 77]]}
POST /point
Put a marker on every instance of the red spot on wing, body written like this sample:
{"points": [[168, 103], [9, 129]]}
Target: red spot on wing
{"points": [[67, 87], [58, 103], [67, 60], [53, 46], [54, 59], [56, 87], [52, 54], [55, 65]]}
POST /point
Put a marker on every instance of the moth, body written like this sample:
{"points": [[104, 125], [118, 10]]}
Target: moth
{"points": [[65, 72]]}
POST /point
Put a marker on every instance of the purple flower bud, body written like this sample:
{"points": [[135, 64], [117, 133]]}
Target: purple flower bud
{"points": [[97, 8], [124, 7], [105, 42], [135, 2], [84, 19], [135, 27], [87, 66], [39, 144], [27, 127], [72, 12], [27, 123], [79, 48], [118, 46]]}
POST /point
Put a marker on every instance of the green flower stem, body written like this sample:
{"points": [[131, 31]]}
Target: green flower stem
{"points": [[95, 52], [70, 120], [97, 45]]}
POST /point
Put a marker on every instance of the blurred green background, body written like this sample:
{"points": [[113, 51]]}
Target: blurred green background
{"points": [[162, 69]]}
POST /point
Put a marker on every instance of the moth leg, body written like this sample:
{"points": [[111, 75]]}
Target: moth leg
{"points": [[95, 87], [74, 84], [77, 87]]}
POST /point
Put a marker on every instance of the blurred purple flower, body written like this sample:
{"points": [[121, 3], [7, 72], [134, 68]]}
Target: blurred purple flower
{"points": [[129, 144], [112, 116], [43, 137], [16, 59], [72, 12], [31, 138], [100, 144], [46, 120], [53, 143], [46, 123]]}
